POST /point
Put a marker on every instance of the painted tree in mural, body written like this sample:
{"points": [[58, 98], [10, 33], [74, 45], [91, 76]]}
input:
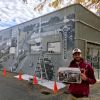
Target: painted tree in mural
{"points": [[95, 4]]}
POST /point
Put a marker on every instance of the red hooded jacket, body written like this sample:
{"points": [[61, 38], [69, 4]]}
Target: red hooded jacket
{"points": [[82, 89]]}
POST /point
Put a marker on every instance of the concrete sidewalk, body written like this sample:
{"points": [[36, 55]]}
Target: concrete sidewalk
{"points": [[95, 91]]}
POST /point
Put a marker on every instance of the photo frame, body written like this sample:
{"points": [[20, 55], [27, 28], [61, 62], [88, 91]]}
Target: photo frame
{"points": [[69, 75]]}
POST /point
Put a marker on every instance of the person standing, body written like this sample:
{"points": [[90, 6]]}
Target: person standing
{"points": [[80, 91]]}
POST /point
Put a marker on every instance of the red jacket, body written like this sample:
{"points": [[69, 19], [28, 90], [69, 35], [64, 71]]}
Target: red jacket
{"points": [[82, 89]]}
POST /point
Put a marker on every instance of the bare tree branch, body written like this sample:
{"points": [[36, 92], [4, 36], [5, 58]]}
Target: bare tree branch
{"points": [[57, 4]]}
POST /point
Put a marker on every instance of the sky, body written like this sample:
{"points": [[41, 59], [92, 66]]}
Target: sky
{"points": [[13, 12]]}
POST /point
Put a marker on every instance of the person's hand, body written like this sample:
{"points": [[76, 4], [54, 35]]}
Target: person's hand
{"points": [[83, 77]]}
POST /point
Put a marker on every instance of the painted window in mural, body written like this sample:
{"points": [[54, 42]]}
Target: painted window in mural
{"points": [[54, 47], [36, 44]]}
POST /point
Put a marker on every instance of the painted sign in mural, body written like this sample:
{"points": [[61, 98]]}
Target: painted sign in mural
{"points": [[68, 31]]}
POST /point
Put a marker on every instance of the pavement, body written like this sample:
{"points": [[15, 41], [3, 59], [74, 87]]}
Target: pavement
{"points": [[13, 89]]}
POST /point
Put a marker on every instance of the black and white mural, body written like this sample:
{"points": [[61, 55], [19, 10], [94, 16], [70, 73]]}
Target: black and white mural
{"points": [[53, 33], [68, 31]]}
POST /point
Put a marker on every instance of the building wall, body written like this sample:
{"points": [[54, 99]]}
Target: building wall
{"points": [[87, 36], [87, 28], [86, 16]]}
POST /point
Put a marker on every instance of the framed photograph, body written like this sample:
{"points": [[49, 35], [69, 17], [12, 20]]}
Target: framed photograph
{"points": [[69, 75]]}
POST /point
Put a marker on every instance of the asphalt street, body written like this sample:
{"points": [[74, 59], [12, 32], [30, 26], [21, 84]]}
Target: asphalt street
{"points": [[13, 89]]}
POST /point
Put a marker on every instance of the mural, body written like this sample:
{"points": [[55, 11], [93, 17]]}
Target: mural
{"points": [[26, 41]]}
